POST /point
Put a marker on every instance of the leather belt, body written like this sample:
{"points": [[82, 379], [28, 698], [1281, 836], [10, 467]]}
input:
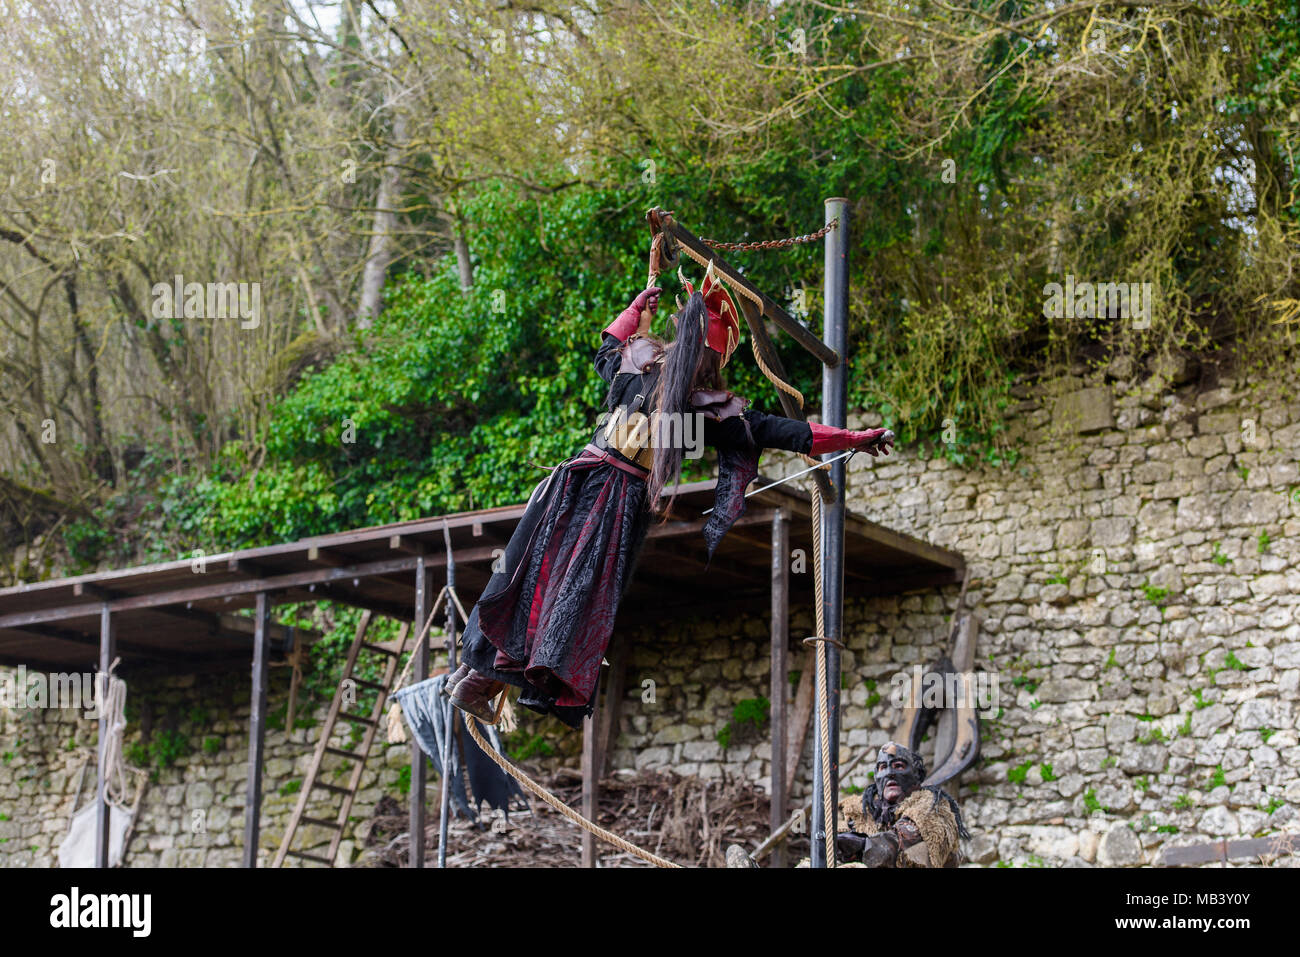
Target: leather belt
{"points": [[616, 460]]}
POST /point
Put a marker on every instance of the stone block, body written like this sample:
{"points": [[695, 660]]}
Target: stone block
{"points": [[1085, 410]]}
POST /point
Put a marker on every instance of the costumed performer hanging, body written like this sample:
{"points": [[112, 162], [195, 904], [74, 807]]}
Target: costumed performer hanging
{"points": [[547, 615]]}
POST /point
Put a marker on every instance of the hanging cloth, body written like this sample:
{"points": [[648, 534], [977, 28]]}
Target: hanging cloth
{"points": [[425, 708]]}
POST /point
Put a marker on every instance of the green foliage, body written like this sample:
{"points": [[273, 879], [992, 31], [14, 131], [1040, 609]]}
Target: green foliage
{"points": [[1157, 596], [1262, 543], [1090, 801], [1183, 802], [161, 752], [1047, 773], [1142, 783], [754, 712], [291, 787], [1156, 734], [1110, 661], [212, 744], [1235, 663], [1218, 557], [1267, 733], [1018, 774], [522, 745], [404, 780], [1217, 779], [1021, 681]]}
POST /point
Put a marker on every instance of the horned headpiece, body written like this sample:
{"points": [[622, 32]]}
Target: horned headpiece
{"points": [[721, 329]]}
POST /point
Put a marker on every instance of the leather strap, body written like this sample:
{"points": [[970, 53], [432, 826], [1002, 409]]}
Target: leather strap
{"points": [[616, 460]]}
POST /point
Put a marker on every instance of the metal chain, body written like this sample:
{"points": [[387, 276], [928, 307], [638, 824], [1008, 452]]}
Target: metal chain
{"points": [[775, 243]]}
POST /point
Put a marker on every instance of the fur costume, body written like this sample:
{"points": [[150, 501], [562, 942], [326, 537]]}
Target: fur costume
{"points": [[930, 810]]}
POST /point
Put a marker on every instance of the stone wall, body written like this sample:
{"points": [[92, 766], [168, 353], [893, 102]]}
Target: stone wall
{"points": [[1139, 591], [193, 809]]}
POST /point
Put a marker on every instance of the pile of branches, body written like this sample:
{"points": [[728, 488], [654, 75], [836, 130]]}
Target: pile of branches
{"points": [[686, 820]]}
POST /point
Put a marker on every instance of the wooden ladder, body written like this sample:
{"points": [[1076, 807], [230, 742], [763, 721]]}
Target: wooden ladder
{"points": [[372, 723]]}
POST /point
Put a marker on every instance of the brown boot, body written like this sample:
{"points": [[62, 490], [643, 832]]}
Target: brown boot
{"points": [[474, 694], [455, 678]]}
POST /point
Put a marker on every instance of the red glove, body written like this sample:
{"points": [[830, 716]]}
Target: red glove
{"points": [[629, 320], [827, 438]]}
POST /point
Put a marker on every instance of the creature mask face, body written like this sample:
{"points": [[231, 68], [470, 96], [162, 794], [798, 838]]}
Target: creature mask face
{"points": [[899, 772]]}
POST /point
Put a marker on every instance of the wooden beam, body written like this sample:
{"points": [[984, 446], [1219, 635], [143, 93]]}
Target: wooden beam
{"points": [[1278, 845], [210, 592], [780, 684], [793, 327], [763, 346], [419, 775], [613, 703], [256, 737], [590, 782], [103, 810], [49, 633], [803, 708]]}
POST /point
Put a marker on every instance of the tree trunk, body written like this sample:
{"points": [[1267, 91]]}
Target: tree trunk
{"points": [[381, 253]]}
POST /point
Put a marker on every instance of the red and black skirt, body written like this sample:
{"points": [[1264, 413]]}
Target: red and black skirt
{"points": [[546, 618]]}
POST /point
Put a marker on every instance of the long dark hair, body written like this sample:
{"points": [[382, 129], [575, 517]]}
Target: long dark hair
{"points": [[688, 365]]}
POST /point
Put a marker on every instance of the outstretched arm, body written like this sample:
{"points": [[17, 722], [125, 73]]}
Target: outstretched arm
{"points": [[808, 438], [636, 318]]}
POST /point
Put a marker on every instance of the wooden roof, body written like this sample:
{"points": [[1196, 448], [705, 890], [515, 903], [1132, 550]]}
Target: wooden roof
{"points": [[180, 616]]}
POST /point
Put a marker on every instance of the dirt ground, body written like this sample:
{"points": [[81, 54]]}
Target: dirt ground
{"points": [[686, 820]]}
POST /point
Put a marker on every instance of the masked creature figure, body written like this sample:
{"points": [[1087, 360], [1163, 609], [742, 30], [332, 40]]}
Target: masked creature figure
{"points": [[547, 615], [898, 822]]}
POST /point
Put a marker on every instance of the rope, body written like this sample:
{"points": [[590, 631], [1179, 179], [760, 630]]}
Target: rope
{"points": [[823, 693], [401, 679], [394, 730], [113, 707], [547, 797], [772, 377], [788, 389]]}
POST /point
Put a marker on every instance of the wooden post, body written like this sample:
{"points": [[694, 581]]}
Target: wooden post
{"points": [[590, 780], [256, 735], [780, 673], [610, 714], [103, 813], [420, 671]]}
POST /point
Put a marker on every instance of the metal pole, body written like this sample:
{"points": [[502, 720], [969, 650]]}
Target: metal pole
{"points": [[450, 724], [834, 412], [107, 652], [256, 735], [419, 770], [780, 674]]}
